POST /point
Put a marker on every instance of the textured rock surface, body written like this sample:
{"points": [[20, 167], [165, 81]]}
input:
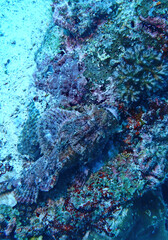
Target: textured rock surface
{"points": [[28, 142], [81, 18]]}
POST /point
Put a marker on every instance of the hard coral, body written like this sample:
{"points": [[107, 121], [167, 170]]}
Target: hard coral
{"points": [[63, 78], [141, 74], [67, 138]]}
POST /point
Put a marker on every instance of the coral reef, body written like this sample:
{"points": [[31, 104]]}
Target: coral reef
{"points": [[8, 221], [140, 74], [156, 28], [81, 18], [104, 131], [101, 203]]}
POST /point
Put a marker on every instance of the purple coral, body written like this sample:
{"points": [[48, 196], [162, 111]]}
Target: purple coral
{"points": [[63, 78]]}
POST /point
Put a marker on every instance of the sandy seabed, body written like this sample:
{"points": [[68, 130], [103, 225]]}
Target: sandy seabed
{"points": [[23, 24]]}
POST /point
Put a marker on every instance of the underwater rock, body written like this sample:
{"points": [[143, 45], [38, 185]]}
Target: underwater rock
{"points": [[146, 218], [8, 199], [50, 45], [67, 138], [28, 141], [81, 18], [63, 78], [8, 221], [156, 28]]}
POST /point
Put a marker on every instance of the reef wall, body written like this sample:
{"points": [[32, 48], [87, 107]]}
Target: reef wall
{"points": [[96, 164]]}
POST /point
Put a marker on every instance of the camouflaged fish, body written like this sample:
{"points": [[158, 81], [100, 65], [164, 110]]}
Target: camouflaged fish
{"points": [[66, 138]]}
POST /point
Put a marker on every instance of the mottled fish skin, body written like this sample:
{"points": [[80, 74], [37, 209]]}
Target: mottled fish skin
{"points": [[63, 78], [49, 126], [74, 138], [41, 175]]}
